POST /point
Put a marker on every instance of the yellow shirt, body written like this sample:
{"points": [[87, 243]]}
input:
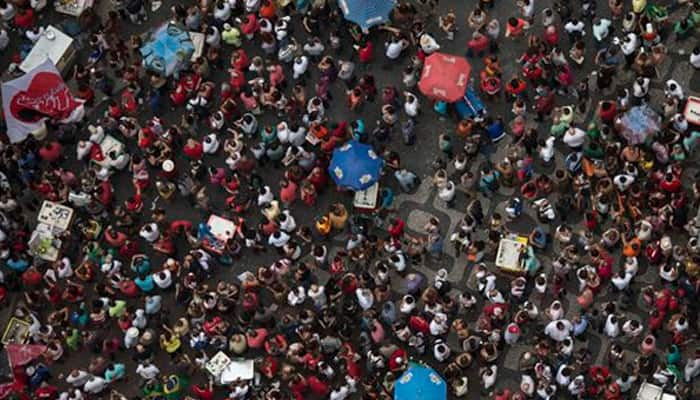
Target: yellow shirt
{"points": [[323, 226], [171, 345]]}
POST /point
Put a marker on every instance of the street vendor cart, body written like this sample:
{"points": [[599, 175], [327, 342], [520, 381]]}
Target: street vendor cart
{"points": [[216, 233], [366, 201], [648, 391], [54, 45], [692, 111], [73, 7], [225, 370], [470, 106], [511, 254], [53, 220]]}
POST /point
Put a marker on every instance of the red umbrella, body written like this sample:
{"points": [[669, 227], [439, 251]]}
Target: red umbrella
{"points": [[445, 77]]}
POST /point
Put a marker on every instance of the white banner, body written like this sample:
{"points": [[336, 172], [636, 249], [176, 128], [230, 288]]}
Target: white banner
{"points": [[38, 95]]}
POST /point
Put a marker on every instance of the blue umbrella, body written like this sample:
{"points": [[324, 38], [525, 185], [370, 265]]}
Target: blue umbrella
{"points": [[169, 49], [366, 13], [355, 165], [420, 383]]}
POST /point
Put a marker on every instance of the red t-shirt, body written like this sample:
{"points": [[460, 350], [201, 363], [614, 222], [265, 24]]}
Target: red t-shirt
{"points": [[31, 277], [203, 394], [194, 151], [318, 387], [478, 44], [46, 392], [52, 152], [365, 53], [396, 230], [25, 20]]}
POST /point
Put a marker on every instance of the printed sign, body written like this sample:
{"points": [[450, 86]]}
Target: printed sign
{"points": [[57, 216]]}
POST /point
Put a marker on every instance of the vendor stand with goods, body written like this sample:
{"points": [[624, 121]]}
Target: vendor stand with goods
{"points": [[516, 255], [54, 45], [73, 7], [216, 233], [54, 219], [649, 391], [692, 111], [225, 370]]}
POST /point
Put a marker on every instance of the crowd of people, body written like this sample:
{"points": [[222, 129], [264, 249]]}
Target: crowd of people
{"points": [[137, 294]]}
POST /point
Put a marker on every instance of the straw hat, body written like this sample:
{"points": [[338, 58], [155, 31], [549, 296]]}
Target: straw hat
{"points": [[168, 166]]}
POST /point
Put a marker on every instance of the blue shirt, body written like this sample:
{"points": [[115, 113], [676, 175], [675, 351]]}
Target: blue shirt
{"points": [[580, 328], [440, 107], [496, 131], [145, 284], [18, 265], [117, 371], [152, 305]]}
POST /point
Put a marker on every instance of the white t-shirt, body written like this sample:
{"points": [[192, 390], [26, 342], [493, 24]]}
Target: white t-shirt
{"points": [[411, 107], [301, 64], [214, 39], [148, 371], [572, 27], [393, 50], [365, 298], [95, 385], [574, 137], [601, 29], [78, 380], [150, 232], [163, 279], [695, 60], [278, 239], [314, 48], [557, 334], [224, 13]]}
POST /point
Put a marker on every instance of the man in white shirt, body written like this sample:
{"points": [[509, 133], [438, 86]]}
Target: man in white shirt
{"points": [[287, 221], [558, 330], [630, 44], [222, 12], [213, 37], [365, 298], [150, 232], [411, 105], [278, 239], [394, 48], [441, 351], [674, 89], [314, 48], [301, 64], [77, 377], [547, 150], [576, 30], [574, 138], [147, 371], [448, 194], [163, 279], [640, 88], [695, 58], [95, 385], [601, 29]]}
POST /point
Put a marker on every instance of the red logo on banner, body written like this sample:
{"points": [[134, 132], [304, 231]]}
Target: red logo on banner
{"points": [[46, 96]]}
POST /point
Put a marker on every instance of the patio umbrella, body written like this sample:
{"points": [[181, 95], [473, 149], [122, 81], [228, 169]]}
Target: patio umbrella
{"points": [[420, 383], [168, 50], [638, 124], [445, 77], [355, 166], [366, 13]]}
